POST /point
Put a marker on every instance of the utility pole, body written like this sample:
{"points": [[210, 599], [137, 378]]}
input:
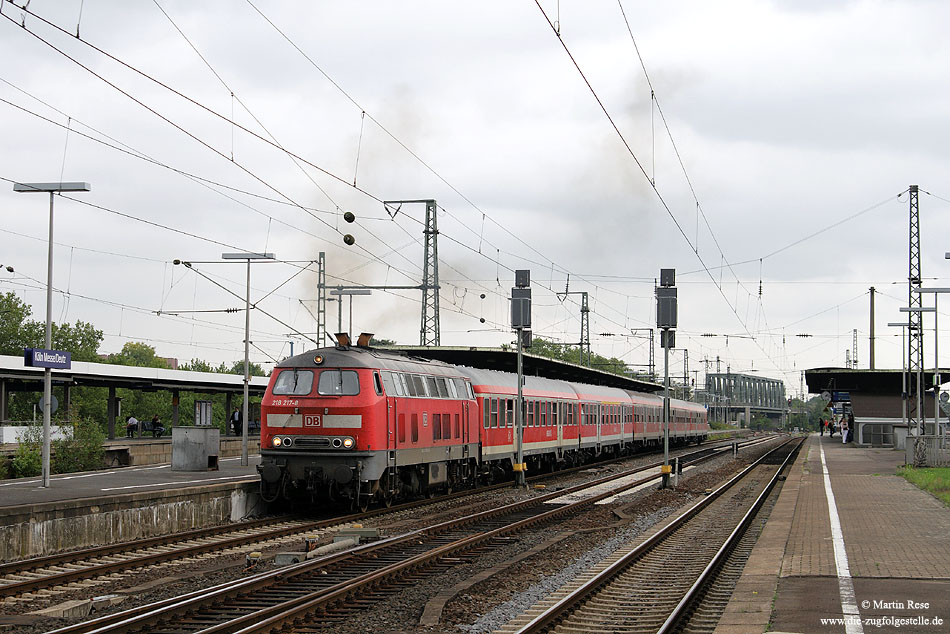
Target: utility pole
{"points": [[685, 374], [915, 332], [854, 349], [585, 322], [429, 328], [871, 338], [322, 299], [651, 364]]}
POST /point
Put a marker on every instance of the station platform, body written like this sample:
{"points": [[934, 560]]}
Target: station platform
{"points": [[873, 556], [121, 504]]}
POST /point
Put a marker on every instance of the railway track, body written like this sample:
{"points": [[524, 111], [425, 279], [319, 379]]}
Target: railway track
{"points": [[322, 591], [64, 571], [659, 585]]}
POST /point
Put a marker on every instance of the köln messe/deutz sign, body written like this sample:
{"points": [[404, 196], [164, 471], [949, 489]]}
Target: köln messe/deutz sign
{"points": [[40, 358]]}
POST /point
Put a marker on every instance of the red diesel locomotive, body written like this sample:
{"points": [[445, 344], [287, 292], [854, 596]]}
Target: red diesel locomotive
{"points": [[357, 423]]}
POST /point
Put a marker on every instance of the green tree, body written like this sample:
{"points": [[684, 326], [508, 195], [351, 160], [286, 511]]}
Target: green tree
{"points": [[196, 365], [14, 314], [81, 340], [544, 348], [237, 367], [138, 354]]}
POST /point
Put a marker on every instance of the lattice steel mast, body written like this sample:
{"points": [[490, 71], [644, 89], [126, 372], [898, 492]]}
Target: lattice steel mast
{"points": [[915, 332]]}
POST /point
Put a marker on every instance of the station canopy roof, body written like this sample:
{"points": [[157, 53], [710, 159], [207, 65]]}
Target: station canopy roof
{"points": [[863, 380], [507, 361], [18, 377]]}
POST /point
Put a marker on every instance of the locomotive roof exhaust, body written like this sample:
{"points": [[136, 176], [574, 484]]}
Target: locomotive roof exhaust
{"points": [[343, 340]]}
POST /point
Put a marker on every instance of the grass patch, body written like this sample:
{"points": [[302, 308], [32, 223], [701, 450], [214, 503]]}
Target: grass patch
{"points": [[934, 480]]}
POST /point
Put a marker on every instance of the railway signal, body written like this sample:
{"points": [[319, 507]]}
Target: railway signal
{"points": [[666, 322], [521, 323]]}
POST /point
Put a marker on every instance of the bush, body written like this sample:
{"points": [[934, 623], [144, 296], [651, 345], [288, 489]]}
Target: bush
{"points": [[28, 458], [80, 450], [4, 468]]}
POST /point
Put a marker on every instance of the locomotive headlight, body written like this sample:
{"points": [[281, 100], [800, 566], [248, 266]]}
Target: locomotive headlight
{"points": [[275, 441], [347, 443]]}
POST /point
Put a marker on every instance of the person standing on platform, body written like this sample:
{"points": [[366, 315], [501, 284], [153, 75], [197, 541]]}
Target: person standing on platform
{"points": [[831, 428], [236, 421], [844, 430], [131, 426]]}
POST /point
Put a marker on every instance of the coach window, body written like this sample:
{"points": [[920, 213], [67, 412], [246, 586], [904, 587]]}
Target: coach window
{"points": [[554, 412], [389, 384], [544, 413], [338, 383], [530, 413], [509, 413], [441, 390], [494, 413], [295, 382], [418, 385]]}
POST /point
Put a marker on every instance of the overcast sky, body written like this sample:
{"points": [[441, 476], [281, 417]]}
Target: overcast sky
{"points": [[216, 127]]}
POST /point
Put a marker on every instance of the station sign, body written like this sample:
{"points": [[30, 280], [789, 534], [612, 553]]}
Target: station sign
{"points": [[41, 358], [841, 397]]}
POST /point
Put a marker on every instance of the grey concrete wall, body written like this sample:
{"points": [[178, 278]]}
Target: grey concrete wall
{"points": [[44, 529]]}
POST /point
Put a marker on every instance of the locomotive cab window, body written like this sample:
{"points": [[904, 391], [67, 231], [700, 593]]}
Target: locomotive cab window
{"points": [[377, 384], [294, 382], [338, 383]]}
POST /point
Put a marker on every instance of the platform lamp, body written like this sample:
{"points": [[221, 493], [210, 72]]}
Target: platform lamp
{"points": [[937, 292], [52, 188], [247, 339]]}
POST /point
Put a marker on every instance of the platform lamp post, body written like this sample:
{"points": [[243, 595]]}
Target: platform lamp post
{"points": [[52, 188], [903, 326], [936, 293], [247, 339], [666, 322], [521, 324]]}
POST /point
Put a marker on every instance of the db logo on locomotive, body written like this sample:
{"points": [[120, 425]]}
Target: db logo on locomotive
{"points": [[312, 420]]}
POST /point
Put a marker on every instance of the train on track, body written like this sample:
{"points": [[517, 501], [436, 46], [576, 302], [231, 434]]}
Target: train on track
{"points": [[362, 424]]}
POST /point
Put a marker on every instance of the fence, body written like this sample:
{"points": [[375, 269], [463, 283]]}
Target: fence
{"points": [[936, 453]]}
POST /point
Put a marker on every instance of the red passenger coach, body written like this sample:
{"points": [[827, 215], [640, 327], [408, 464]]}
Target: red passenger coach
{"points": [[360, 424]]}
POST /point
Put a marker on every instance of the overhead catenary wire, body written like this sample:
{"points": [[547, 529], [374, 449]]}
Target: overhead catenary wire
{"points": [[642, 169], [192, 101]]}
